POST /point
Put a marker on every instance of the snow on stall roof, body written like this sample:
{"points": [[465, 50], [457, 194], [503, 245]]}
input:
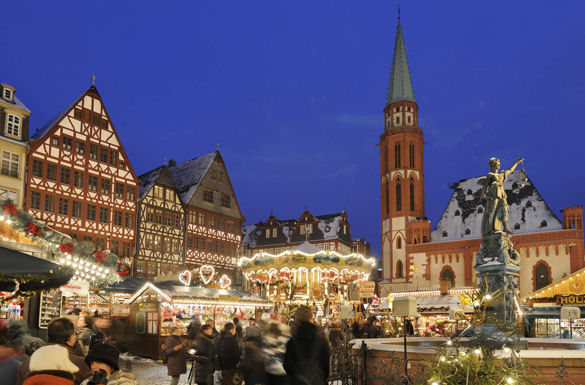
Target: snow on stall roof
{"points": [[307, 248], [528, 212], [188, 175], [147, 181]]}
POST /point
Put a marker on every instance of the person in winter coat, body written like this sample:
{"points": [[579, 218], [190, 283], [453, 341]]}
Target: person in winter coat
{"points": [[176, 360], [252, 329], [21, 339], [9, 362], [203, 357], [253, 361], [61, 333], [227, 353], [274, 347], [85, 331], [103, 360], [50, 365], [306, 360]]}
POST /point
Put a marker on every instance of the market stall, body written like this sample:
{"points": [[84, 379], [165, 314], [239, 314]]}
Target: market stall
{"points": [[156, 307], [307, 274]]}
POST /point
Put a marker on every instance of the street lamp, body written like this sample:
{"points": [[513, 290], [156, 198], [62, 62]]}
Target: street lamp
{"points": [[404, 307]]}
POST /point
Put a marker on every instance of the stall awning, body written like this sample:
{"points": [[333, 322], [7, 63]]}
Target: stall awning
{"points": [[30, 272], [129, 285]]}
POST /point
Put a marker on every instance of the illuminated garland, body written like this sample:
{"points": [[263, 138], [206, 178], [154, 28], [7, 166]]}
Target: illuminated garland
{"points": [[61, 249]]}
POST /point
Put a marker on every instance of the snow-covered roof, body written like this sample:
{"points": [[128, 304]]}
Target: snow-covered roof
{"points": [[147, 180], [17, 103], [528, 212], [249, 236], [188, 175], [307, 248]]}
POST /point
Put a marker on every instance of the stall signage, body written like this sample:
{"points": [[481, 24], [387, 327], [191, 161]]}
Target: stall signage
{"points": [[366, 289], [573, 299], [77, 288], [148, 306]]}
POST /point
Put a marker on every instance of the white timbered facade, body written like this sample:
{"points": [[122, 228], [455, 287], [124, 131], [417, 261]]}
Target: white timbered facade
{"points": [[79, 179]]}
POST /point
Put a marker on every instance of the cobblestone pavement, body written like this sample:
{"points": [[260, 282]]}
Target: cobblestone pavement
{"points": [[149, 372]]}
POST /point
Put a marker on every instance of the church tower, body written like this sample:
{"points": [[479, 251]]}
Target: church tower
{"points": [[401, 171]]}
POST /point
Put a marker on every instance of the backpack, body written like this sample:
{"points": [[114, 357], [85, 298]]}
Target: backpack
{"points": [[311, 373]]}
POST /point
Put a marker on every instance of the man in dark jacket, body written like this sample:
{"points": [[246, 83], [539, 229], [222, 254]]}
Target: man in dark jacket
{"points": [[175, 351], [227, 353], [306, 360], [204, 347], [60, 331]]}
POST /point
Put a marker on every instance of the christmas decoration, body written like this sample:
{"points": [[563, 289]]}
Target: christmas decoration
{"points": [[99, 256], [9, 208], [66, 248], [185, 278], [206, 272], [123, 269], [32, 229], [225, 282]]}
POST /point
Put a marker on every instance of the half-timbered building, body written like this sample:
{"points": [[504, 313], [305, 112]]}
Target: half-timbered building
{"points": [[160, 232], [79, 179]]}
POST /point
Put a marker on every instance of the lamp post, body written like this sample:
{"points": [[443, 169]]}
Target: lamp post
{"points": [[404, 307]]}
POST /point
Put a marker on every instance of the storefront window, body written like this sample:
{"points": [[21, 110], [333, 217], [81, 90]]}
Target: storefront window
{"points": [[547, 328]]}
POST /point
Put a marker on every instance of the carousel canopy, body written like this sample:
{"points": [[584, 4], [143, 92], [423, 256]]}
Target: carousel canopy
{"points": [[30, 272]]}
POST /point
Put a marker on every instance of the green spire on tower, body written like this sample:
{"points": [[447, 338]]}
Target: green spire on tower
{"points": [[400, 88]]}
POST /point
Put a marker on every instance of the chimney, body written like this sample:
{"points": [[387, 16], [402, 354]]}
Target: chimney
{"points": [[172, 163]]}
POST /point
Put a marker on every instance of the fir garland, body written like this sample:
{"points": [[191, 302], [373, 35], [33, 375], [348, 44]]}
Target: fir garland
{"points": [[59, 247]]}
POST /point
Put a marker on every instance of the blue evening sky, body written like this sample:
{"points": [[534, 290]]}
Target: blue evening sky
{"points": [[294, 90]]}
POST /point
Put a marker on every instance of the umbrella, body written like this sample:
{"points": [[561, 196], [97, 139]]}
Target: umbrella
{"points": [[30, 272]]}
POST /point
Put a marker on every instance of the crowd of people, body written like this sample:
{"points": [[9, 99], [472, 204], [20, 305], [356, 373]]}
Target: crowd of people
{"points": [[79, 351]]}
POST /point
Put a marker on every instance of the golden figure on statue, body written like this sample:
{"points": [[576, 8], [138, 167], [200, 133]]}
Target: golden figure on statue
{"points": [[495, 215]]}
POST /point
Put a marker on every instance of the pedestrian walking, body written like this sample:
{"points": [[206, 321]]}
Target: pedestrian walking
{"points": [[252, 328], [103, 360], [20, 338], [307, 356], [227, 354], [214, 331], [85, 331], [274, 347], [60, 333], [252, 365], [203, 357], [175, 352]]}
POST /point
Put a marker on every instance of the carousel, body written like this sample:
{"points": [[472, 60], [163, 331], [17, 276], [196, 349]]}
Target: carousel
{"points": [[305, 273]]}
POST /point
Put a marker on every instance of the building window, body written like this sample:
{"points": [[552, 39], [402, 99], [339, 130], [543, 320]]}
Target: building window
{"points": [[125, 249], [120, 190], [78, 179], [267, 233], [52, 172], [65, 175], [225, 200], [411, 153], [467, 231], [7, 94], [445, 234], [398, 197], [130, 193], [49, 203], [397, 155], [447, 275], [411, 195], [10, 162], [159, 192], [457, 213], [67, 143], [13, 126], [91, 210], [202, 220], [114, 158], [92, 183], [122, 165], [398, 242], [158, 216], [399, 270], [169, 195], [104, 155], [35, 200], [93, 151], [80, 148], [118, 218], [55, 141], [63, 206], [76, 209], [104, 215], [517, 226], [208, 195], [37, 168], [129, 220], [543, 224], [88, 238], [100, 243], [115, 246], [106, 187], [140, 267]]}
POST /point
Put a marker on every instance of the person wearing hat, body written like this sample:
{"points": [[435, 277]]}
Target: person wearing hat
{"points": [[103, 360]]}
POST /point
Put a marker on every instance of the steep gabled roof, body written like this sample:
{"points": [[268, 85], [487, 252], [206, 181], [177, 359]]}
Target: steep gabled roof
{"points": [[17, 104], [188, 175], [147, 180], [528, 212], [400, 87]]}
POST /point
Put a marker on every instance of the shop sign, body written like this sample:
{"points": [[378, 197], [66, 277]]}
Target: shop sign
{"points": [[366, 289], [573, 299], [77, 288], [148, 306]]}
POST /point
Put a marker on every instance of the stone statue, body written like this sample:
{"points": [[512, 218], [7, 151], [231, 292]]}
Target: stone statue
{"points": [[495, 215]]}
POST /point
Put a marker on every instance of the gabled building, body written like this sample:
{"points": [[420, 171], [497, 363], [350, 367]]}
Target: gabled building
{"points": [[79, 179], [328, 232], [210, 216], [14, 122], [413, 256], [160, 236]]}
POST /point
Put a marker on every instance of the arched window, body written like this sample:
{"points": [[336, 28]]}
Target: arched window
{"points": [[397, 155], [398, 197], [411, 194], [387, 193], [399, 272], [398, 242], [541, 276], [409, 120], [447, 275], [457, 213], [445, 235], [411, 154], [467, 231]]}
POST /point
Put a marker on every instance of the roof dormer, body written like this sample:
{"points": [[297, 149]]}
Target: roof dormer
{"points": [[7, 92]]}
